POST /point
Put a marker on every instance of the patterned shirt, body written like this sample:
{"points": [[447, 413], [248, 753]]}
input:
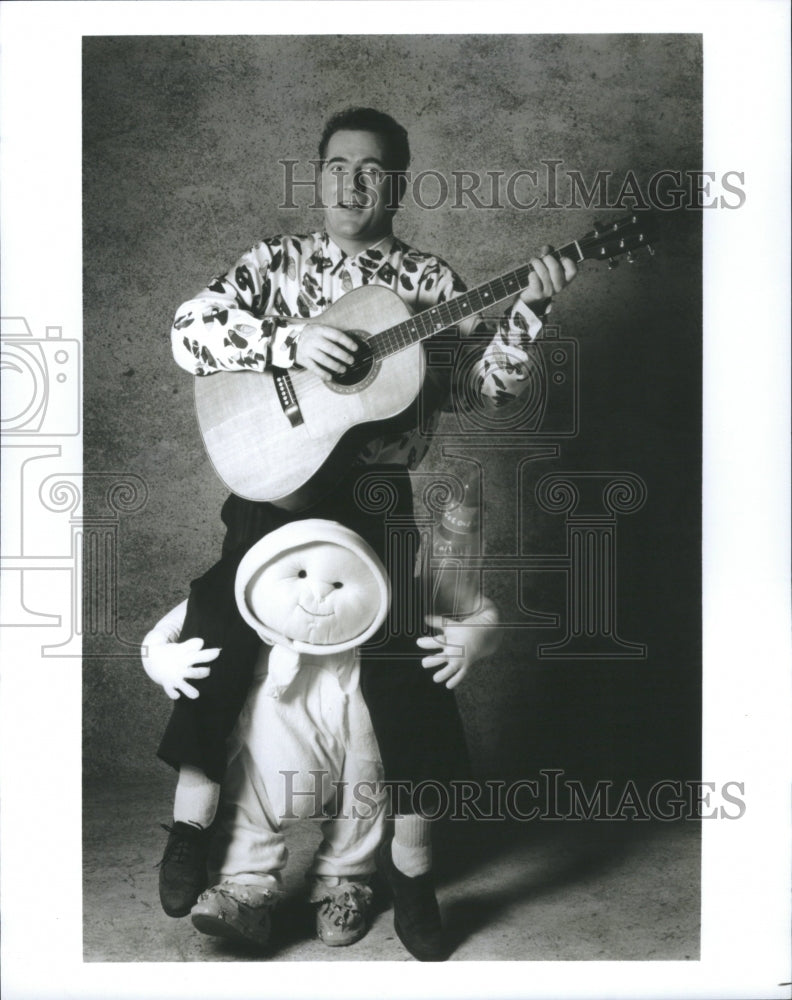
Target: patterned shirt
{"points": [[250, 318]]}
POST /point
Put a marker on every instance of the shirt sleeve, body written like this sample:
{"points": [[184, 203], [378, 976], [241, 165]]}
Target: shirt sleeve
{"points": [[230, 326], [502, 370], [500, 373]]}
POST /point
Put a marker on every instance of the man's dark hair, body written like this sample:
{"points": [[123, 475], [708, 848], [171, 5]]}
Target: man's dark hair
{"points": [[371, 120]]}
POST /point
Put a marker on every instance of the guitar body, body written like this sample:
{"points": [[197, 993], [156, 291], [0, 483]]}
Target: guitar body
{"points": [[286, 436], [263, 451]]}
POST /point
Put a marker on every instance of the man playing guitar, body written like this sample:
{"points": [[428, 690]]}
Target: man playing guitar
{"points": [[264, 314]]}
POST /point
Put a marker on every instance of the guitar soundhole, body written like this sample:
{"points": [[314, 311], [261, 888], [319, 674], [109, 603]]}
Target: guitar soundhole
{"points": [[362, 366]]}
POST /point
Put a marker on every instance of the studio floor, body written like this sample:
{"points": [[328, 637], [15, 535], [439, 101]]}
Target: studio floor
{"points": [[551, 891]]}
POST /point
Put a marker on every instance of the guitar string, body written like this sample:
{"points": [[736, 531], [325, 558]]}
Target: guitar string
{"points": [[437, 318], [440, 317]]}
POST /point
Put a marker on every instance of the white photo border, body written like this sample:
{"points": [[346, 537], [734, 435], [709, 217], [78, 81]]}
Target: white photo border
{"points": [[746, 618]]}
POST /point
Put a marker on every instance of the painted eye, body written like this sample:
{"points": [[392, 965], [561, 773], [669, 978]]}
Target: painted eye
{"points": [[302, 574], [337, 585]]}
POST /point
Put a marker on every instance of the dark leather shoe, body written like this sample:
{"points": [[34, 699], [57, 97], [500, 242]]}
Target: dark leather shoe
{"points": [[416, 915], [182, 871]]}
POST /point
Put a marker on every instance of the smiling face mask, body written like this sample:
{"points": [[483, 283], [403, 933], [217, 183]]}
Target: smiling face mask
{"points": [[313, 586], [319, 593]]}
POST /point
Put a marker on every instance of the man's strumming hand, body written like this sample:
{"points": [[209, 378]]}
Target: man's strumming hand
{"points": [[324, 350]]}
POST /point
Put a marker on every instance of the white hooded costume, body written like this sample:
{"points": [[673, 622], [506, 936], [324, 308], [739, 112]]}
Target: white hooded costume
{"points": [[304, 746]]}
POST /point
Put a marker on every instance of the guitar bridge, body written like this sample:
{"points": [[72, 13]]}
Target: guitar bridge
{"points": [[287, 397]]}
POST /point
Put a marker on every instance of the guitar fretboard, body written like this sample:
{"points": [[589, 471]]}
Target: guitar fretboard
{"points": [[431, 321]]}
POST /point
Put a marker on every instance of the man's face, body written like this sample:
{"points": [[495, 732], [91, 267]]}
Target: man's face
{"points": [[356, 189]]}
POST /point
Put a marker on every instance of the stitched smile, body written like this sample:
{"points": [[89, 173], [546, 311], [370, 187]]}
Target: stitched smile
{"points": [[317, 614]]}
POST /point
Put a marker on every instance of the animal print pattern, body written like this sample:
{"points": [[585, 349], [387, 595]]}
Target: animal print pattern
{"points": [[249, 317]]}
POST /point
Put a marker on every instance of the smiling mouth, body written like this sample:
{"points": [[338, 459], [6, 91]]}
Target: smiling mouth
{"points": [[315, 614]]}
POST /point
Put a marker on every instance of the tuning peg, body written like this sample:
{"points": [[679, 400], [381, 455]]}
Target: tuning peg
{"points": [[612, 262], [630, 258], [597, 228], [650, 249]]}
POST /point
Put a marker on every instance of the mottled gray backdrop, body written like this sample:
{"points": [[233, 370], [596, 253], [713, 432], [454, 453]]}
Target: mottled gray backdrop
{"points": [[182, 137]]}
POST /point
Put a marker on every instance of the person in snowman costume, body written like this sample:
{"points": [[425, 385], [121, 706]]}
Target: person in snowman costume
{"points": [[314, 592], [303, 747]]}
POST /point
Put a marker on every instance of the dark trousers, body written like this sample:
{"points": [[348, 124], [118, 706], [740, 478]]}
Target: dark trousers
{"points": [[416, 721]]}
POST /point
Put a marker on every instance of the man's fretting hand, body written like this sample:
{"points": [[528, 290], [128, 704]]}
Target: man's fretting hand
{"points": [[548, 278], [324, 350]]}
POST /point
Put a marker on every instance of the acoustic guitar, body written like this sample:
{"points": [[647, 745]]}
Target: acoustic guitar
{"points": [[285, 435]]}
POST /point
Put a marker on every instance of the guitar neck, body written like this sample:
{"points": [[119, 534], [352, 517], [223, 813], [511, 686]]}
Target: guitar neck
{"points": [[425, 324]]}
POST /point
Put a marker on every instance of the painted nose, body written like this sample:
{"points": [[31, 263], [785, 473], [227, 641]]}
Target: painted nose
{"points": [[320, 589]]}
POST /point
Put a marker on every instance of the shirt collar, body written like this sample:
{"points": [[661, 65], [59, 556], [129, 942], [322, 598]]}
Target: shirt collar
{"points": [[337, 255]]}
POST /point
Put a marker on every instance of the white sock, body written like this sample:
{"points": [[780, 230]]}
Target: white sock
{"points": [[411, 848], [196, 798]]}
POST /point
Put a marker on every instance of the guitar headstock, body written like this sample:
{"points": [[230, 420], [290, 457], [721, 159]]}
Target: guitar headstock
{"points": [[608, 241]]}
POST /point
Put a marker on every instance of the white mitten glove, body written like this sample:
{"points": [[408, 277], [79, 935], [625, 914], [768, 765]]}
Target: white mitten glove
{"points": [[171, 663], [459, 643]]}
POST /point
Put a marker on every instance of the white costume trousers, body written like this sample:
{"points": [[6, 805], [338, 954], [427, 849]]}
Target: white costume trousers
{"points": [[303, 750]]}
